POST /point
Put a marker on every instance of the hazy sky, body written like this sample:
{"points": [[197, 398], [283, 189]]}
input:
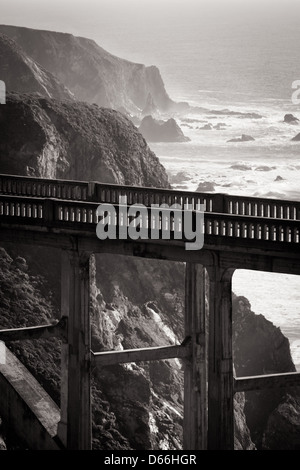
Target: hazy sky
{"points": [[65, 14]]}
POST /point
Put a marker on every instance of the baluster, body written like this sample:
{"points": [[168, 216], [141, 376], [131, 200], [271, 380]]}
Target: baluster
{"points": [[236, 229], [259, 209], [237, 207], [12, 208], [207, 225], [40, 211], [216, 227], [273, 233], [94, 216], [248, 230], [66, 214], [295, 234], [266, 232], [60, 213], [272, 210], [257, 231]]}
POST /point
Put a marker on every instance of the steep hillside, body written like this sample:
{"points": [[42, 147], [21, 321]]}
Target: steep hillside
{"points": [[91, 73], [22, 73], [73, 140]]}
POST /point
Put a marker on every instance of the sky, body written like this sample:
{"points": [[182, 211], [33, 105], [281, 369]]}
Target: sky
{"points": [[66, 13]]}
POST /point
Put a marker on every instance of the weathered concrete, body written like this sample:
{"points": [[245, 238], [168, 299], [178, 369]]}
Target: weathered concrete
{"points": [[26, 408]]}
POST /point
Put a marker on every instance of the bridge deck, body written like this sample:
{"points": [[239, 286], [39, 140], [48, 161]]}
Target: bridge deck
{"points": [[56, 211]]}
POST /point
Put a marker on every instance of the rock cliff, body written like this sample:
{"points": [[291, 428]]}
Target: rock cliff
{"points": [[261, 348], [161, 131], [91, 73], [20, 72], [74, 140]]}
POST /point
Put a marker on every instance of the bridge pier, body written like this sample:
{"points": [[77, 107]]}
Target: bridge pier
{"points": [[195, 372], [75, 425], [220, 361]]}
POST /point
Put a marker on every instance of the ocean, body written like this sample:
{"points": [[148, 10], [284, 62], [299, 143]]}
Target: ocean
{"points": [[240, 56]]}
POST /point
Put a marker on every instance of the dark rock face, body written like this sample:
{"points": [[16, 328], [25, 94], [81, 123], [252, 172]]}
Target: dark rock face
{"points": [[69, 140], [283, 427], [157, 131], [244, 138], [90, 72], [242, 437], [27, 300], [296, 138], [261, 348], [21, 73], [206, 127], [206, 187], [291, 119]]}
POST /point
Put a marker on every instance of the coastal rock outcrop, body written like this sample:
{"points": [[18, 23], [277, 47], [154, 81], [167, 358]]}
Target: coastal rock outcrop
{"points": [[206, 187], [291, 119], [296, 138], [91, 73], [243, 138], [160, 131]]}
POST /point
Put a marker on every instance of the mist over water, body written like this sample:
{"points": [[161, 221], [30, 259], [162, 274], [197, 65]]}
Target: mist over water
{"points": [[242, 56]]}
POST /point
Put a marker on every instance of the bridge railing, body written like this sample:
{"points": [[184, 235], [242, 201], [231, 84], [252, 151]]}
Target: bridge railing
{"points": [[83, 215], [41, 187], [110, 193]]}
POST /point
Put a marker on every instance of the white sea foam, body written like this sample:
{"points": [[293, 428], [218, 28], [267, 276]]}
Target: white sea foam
{"points": [[247, 168]]}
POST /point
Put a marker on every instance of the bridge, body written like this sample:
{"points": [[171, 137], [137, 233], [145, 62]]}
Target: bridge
{"points": [[239, 233]]}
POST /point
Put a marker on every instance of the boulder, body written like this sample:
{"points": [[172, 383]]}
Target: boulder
{"points": [[205, 187], [160, 131], [243, 138], [290, 119]]}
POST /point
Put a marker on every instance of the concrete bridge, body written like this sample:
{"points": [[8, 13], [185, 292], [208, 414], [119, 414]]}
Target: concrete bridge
{"points": [[239, 233]]}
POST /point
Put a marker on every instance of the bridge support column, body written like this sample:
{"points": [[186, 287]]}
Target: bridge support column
{"points": [[195, 374], [220, 364], [75, 426]]}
